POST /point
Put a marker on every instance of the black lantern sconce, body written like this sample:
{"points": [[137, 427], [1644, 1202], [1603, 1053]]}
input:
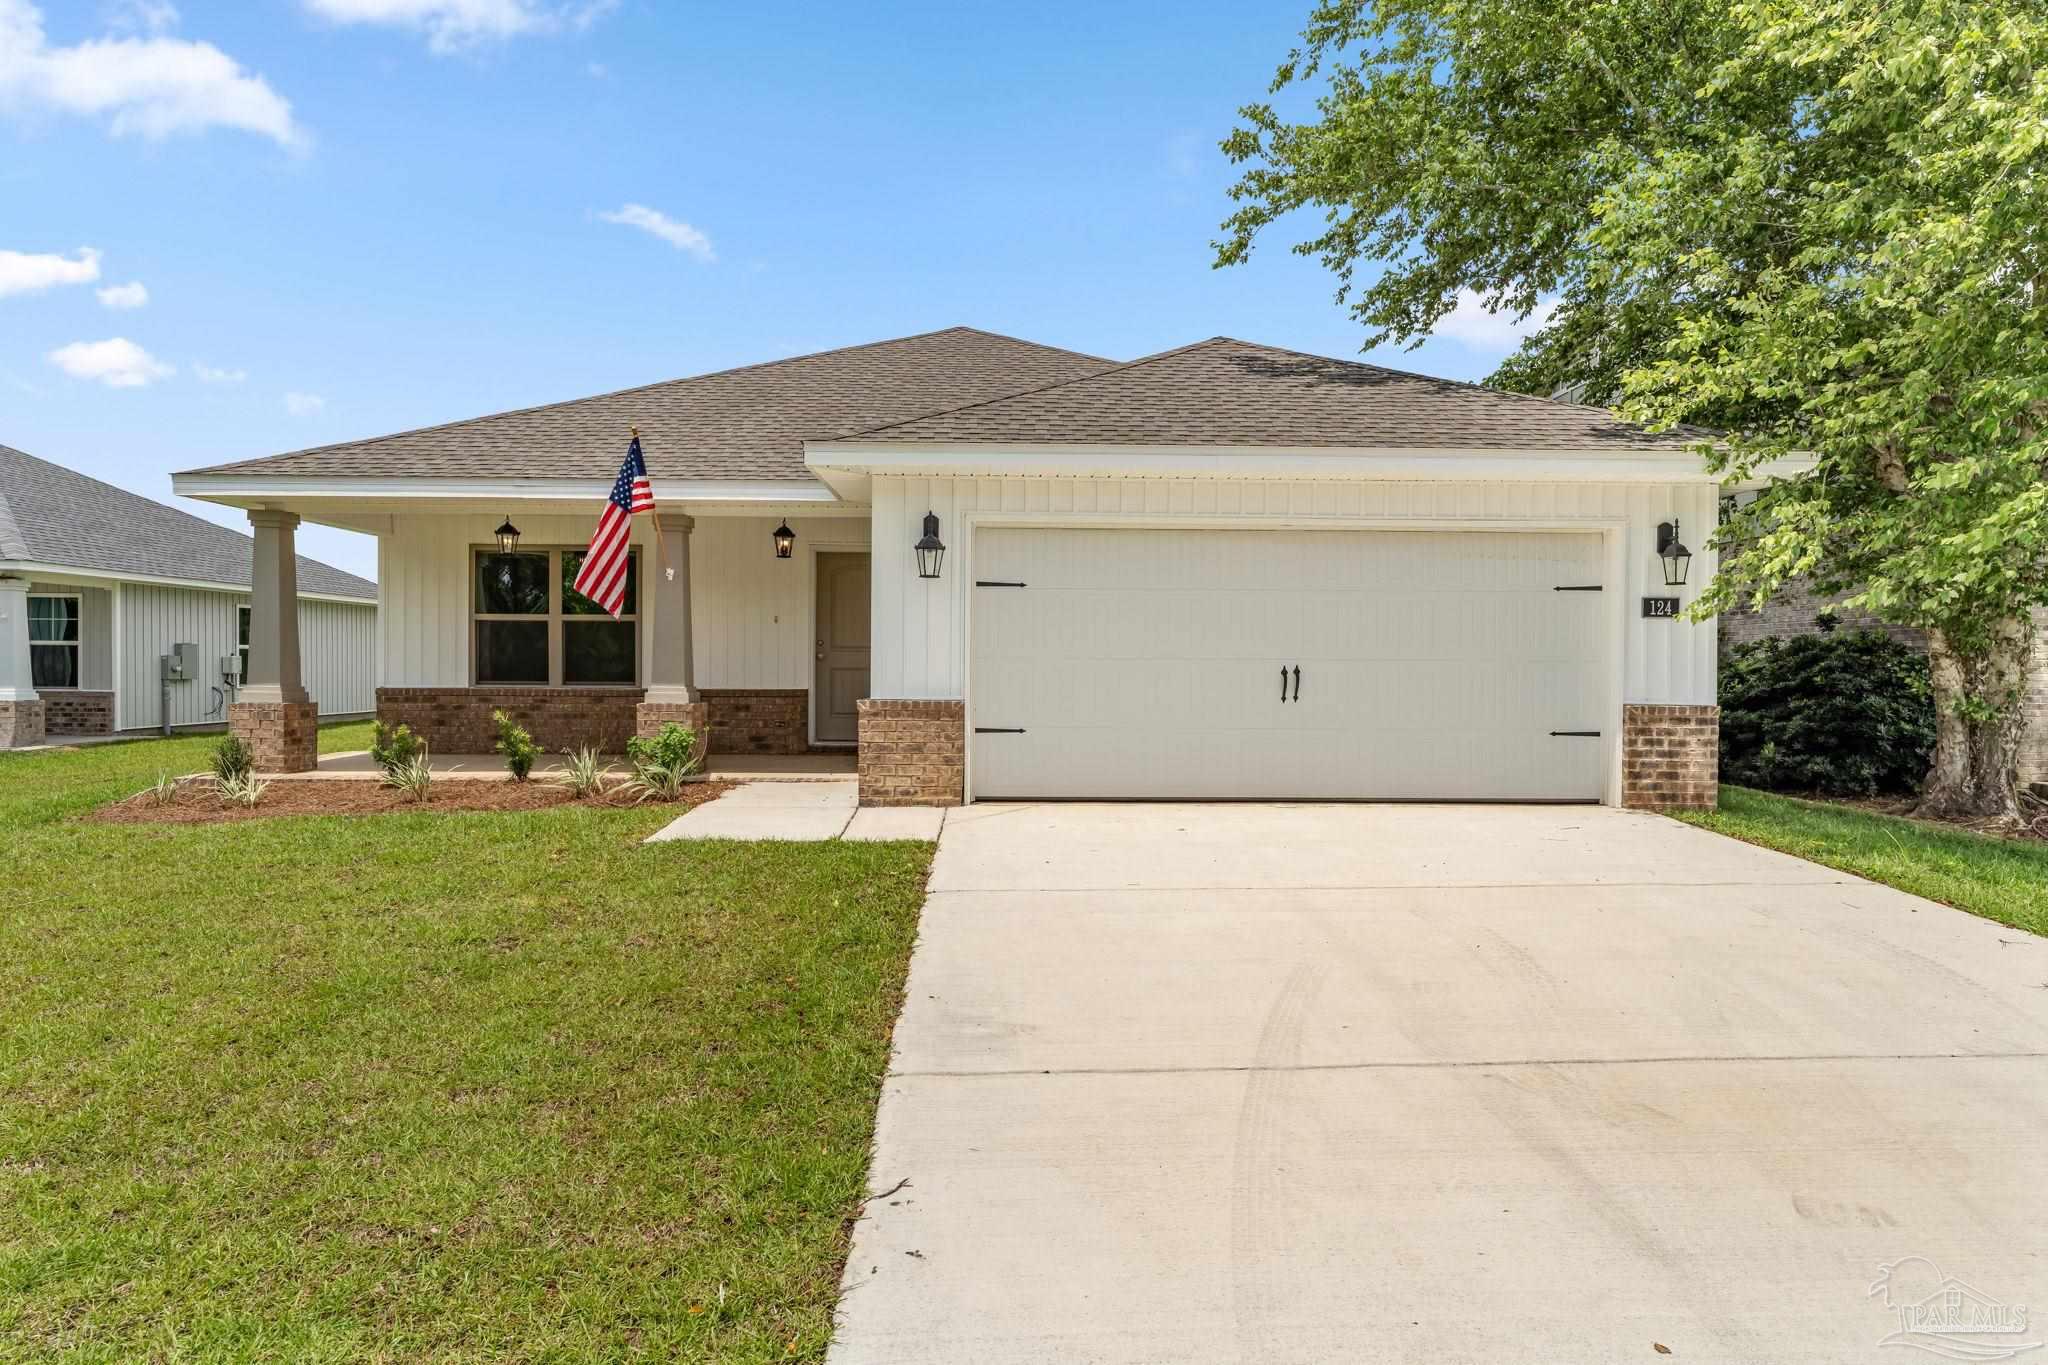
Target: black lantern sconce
{"points": [[508, 536], [785, 540], [931, 551], [1677, 559]]}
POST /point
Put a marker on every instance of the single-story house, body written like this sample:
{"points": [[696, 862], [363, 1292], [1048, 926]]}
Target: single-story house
{"points": [[118, 614], [1006, 570]]}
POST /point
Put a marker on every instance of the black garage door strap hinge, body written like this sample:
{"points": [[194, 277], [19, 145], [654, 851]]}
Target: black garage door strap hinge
{"points": [[1578, 734], [998, 730], [1582, 587], [995, 583]]}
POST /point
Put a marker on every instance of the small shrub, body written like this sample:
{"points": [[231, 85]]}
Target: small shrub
{"points": [[394, 748], [582, 772], [657, 782], [163, 791], [244, 790], [674, 747], [231, 758], [1846, 713], [517, 745], [414, 777]]}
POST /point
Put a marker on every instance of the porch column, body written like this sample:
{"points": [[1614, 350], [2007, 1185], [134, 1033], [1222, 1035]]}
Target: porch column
{"points": [[21, 710], [273, 715], [672, 672]]}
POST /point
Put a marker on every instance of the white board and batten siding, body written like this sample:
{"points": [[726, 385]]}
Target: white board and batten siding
{"points": [[337, 653], [927, 645], [750, 612]]}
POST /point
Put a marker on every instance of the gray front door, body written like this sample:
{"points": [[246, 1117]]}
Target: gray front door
{"points": [[842, 645]]}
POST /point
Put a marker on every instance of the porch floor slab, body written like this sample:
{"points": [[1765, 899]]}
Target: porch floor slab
{"points": [[806, 768]]}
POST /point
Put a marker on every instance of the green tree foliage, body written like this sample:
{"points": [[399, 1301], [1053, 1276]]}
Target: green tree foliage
{"points": [[1849, 713], [1816, 225]]}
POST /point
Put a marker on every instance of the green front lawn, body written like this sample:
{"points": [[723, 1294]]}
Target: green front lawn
{"points": [[2001, 879], [448, 1087]]}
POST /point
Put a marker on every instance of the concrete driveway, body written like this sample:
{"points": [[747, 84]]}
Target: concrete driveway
{"points": [[1436, 1083]]}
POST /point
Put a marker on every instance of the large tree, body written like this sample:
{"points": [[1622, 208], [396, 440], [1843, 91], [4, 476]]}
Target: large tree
{"points": [[1816, 226]]}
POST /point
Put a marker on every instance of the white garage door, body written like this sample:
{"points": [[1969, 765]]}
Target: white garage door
{"points": [[1148, 664]]}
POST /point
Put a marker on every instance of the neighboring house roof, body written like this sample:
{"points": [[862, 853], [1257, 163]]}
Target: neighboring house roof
{"points": [[54, 516], [749, 423], [1225, 392]]}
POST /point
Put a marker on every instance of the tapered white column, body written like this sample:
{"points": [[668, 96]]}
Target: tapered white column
{"points": [[274, 674]]}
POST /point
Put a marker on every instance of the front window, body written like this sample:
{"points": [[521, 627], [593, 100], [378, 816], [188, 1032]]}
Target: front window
{"points": [[242, 642], [533, 628], [53, 641]]}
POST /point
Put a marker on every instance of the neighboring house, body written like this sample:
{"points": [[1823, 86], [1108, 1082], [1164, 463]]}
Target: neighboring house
{"points": [[97, 585], [1797, 611], [1226, 570]]}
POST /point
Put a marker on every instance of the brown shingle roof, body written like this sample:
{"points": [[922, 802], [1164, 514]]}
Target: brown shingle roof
{"points": [[748, 423], [1224, 392]]}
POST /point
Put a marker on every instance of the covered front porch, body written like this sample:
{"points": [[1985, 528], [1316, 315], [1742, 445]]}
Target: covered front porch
{"points": [[745, 620]]}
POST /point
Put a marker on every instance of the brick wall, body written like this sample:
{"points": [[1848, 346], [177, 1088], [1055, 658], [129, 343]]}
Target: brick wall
{"points": [[68, 712], [759, 720], [1670, 756], [21, 724], [913, 753], [457, 720]]}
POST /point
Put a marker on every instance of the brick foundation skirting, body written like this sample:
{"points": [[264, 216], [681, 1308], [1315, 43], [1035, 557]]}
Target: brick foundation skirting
{"points": [[68, 712], [650, 716], [21, 724], [1670, 757], [913, 753], [759, 720], [457, 720], [283, 737]]}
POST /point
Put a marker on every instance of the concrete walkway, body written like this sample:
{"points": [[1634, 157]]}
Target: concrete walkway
{"points": [[806, 811], [1277, 1084]]}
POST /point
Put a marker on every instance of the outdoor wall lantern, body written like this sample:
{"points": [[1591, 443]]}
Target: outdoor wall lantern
{"points": [[785, 540], [931, 551], [508, 536], [1677, 559]]}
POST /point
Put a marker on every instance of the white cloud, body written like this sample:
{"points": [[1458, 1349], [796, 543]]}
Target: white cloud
{"points": [[209, 375], [677, 234], [456, 25], [131, 295], [24, 273], [1472, 325], [152, 87], [117, 362], [145, 16], [304, 404]]}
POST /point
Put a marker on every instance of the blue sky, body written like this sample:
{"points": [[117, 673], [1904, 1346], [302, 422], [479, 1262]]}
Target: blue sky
{"points": [[351, 217]]}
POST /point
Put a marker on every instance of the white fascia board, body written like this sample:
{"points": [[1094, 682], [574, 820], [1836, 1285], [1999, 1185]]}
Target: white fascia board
{"points": [[60, 573], [1254, 462], [235, 489]]}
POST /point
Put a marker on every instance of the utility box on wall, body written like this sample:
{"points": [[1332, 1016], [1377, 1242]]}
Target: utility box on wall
{"points": [[182, 663]]}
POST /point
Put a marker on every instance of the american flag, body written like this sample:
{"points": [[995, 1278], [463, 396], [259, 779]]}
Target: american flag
{"points": [[602, 578]]}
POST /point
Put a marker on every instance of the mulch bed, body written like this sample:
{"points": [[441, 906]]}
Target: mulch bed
{"points": [[196, 803]]}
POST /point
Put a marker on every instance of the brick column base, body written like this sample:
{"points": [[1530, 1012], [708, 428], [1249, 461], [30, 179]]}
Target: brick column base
{"points": [[1670, 757], [912, 753], [21, 724], [650, 716], [283, 736]]}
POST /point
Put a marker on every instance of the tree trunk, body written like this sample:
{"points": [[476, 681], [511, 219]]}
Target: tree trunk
{"points": [[1978, 726]]}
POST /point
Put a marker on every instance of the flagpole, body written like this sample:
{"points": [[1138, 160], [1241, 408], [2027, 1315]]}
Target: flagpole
{"points": [[660, 550]]}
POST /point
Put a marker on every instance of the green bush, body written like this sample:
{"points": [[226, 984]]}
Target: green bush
{"points": [[674, 748], [1846, 713], [394, 749], [231, 759], [516, 744]]}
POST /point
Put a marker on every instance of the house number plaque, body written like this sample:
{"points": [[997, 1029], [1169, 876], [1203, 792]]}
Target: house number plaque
{"points": [[1660, 607]]}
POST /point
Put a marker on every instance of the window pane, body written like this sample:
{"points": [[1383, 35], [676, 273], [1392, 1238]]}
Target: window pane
{"points": [[512, 651], [53, 618], [53, 665], [242, 626], [598, 651], [512, 585], [576, 604]]}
